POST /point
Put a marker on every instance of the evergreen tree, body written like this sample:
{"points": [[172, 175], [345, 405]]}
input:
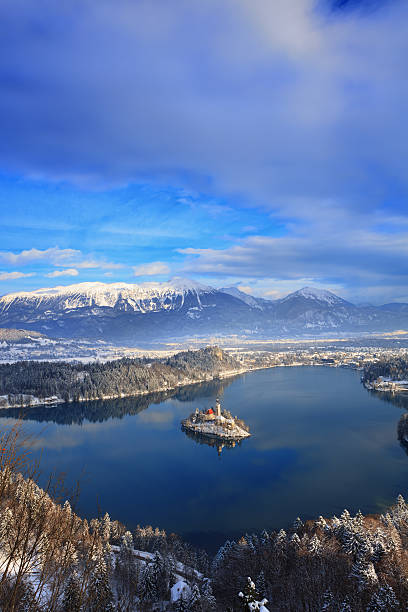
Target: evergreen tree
{"points": [[160, 575], [322, 524], [147, 585], [297, 524], [384, 600], [72, 594], [315, 545], [295, 541], [249, 597], [194, 601], [100, 596], [106, 527], [363, 571], [208, 602], [260, 584], [281, 543], [345, 606], [328, 601]]}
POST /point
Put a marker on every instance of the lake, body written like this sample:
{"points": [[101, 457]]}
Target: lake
{"points": [[320, 443]]}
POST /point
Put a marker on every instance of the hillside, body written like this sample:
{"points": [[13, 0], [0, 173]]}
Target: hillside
{"points": [[17, 335], [51, 559]]}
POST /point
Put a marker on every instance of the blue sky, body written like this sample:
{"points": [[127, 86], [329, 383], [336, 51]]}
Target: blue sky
{"points": [[242, 142]]}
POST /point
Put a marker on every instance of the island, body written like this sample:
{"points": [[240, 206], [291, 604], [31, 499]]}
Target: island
{"points": [[216, 424]]}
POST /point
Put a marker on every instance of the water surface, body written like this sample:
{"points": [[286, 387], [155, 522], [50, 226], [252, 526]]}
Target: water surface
{"points": [[320, 443]]}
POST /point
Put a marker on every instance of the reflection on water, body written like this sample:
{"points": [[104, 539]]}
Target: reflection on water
{"points": [[320, 442], [398, 399], [97, 411], [218, 444]]}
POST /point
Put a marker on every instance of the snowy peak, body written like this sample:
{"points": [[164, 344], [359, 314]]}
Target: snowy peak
{"points": [[181, 307], [98, 289], [240, 295], [142, 297], [317, 295]]}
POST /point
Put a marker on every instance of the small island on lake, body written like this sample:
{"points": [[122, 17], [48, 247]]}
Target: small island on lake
{"points": [[217, 424]]}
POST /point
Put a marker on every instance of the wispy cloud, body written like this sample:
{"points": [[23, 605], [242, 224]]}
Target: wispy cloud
{"points": [[14, 275], [285, 101], [363, 260], [67, 272], [56, 257], [151, 269]]}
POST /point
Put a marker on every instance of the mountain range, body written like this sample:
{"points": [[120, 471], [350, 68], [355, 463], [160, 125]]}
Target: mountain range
{"points": [[129, 313]]}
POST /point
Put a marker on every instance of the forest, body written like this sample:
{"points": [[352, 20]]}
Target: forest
{"points": [[395, 368], [73, 381]]}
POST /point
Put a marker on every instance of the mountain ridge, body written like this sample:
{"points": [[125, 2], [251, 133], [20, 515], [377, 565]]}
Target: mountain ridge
{"points": [[129, 312]]}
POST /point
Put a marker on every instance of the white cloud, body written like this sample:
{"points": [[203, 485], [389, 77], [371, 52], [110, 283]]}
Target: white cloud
{"points": [[67, 272], [14, 275], [292, 101], [57, 257], [54, 255], [98, 263], [151, 269], [366, 261]]}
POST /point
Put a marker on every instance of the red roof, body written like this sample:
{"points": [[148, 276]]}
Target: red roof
{"points": [[210, 411]]}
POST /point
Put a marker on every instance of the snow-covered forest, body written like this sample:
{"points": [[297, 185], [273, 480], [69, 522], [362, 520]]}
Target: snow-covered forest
{"points": [[28, 382], [51, 559], [395, 368]]}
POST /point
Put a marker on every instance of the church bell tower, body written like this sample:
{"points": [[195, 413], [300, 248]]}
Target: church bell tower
{"points": [[217, 407]]}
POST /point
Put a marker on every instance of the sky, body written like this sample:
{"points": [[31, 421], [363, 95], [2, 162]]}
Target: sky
{"points": [[245, 143]]}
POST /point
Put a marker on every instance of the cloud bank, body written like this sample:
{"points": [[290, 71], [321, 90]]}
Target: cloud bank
{"points": [[286, 107]]}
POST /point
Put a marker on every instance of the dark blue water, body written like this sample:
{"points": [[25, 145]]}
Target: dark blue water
{"points": [[320, 443]]}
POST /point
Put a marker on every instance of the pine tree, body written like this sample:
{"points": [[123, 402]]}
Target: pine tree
{"points": [[106, 527], [194, 601], [147, 585], [72, 594], [363, 571], [295, 541], [328, 601], [249, 597], [359, 519], [208, 602], [384, 600], [297, 524], [260, 584], [100, 594], [345, 605], [160, 575], [126, 570], [379, 545], [315, 545], [281, 543], [221, 555], [322, 524]]}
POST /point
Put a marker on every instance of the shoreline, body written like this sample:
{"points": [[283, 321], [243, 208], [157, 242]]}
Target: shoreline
{"points": [[59, 401], [50, 403]]}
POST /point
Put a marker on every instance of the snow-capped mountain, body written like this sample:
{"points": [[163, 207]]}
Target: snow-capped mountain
{"points": [[129, 313], [124, 312], [146, 297], [244, 297], [312, 308], [316, 295]]}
